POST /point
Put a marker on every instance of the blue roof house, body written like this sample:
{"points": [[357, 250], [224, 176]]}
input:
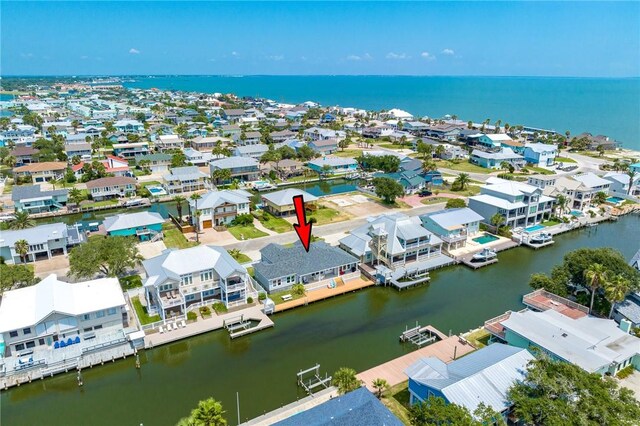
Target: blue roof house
{"points": [[453, 226], [143, 225], [33, 199], [483, 376], [357, 408], [333, 165], [540, 154]]}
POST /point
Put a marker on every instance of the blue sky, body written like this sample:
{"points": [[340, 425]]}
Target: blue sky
{"points": [[432, 38]]}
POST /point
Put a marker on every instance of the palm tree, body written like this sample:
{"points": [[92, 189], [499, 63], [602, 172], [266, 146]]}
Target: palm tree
{"points": [[22, 221], [462, 181], [616, 290], [75, 196], [597, 277], [600, 198], [345, 380], [209, 412], [440, 151], [22, 248], [497, 220], [195, 197], [562, 201], [380, 385], [429, 166], [632, 175], [178, 199]]}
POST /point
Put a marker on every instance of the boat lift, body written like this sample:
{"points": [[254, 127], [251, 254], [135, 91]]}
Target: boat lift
{"points": [[236, 324], [418, 335], [310, 379]]}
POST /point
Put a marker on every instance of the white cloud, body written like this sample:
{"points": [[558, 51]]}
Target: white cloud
{"points": [[365, 57], [234, 53], [275, 57], [427, 55], [448, 52], [84, 57], [393, 55], [26, 55], [134, 51]]}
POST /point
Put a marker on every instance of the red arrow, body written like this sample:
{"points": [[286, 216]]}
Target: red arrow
{"points": [[303, 229]]}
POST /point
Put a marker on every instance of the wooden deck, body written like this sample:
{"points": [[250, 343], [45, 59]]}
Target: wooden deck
{"points": [[325, 293], [393, 371]]}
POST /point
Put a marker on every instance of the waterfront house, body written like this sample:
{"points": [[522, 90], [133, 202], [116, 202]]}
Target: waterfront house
{"points": [[144, 225], [82, 150], [495, 159], [444, 132], [177, 279], [41, 172], [628, 310], [282, 267], [115, 166], [130, 150], [594, 344], [241, 168], [599, 141], [492, 141], [481, 377], [25, 155], [578, 189], [45, 241], [320, 133], [184, 179], [111, 187], [453, 226], [219, 208], [169, 142], [356, 408], [393, 240], [333, 165], [129, 126], [285, 169], [620, 184], [540, 154], [53, 314], [280, 203], [324, 146], [542, 181], [520, 204], [33, 199], [415, 127], [157, 162], [412, 181], [198, 158], [251, 151]]}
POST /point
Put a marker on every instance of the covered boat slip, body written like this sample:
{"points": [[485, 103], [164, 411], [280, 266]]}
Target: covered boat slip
{"points": [[413, 274]]}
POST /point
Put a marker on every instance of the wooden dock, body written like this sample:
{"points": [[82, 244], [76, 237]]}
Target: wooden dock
{"points": [[325, 293], [392, 371], [467, 260]]}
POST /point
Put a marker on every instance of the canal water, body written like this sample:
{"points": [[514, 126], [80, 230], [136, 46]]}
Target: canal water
{"points": [[358, 330]]}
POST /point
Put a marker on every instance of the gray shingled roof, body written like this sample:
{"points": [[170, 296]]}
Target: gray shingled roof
{"points": [[34, 191], [279, 261]]}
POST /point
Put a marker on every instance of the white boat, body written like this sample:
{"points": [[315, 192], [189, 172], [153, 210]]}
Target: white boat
{"points": [[134, 202], [541, 238], [484, 255]]}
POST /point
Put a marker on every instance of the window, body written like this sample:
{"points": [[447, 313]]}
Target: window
{"points": [[206, 275], [99, 314], [87, 329], [26, 330], [86, 317], [186, 279], [20, 347], [111, 311], [97, 327], [31, 344], [41, 342], [13, 334]]}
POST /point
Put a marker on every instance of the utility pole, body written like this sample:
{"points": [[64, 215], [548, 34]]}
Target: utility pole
{"points": [[238, 405]]}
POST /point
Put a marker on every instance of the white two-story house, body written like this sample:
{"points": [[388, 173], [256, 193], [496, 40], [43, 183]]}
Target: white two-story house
{"points": [[219, 208]]}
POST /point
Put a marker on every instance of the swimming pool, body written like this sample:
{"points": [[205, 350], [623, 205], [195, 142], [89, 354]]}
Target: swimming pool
{"points": [[534, 228], [615, 200], [576, 213], [486, 238], [157, 190]]}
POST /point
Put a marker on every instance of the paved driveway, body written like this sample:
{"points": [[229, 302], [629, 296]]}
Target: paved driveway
{"points": [[632, 382]]}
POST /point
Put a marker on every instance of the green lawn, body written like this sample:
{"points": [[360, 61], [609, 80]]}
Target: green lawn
{"points": [[396, 399], [540, 170], [151, 182], [550, 223], [277, 297], [326, 215], [141, 311], [469, 190], [173, 238], [246, 232], [463, 166], [132, 281], [242, 258], [479, 338], [349, 153], [433, 200], [565, 160], [393, 146], [102, 203], [273, 223]]}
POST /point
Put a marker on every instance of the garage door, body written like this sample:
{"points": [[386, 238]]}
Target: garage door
{"points": [[207, 224]]}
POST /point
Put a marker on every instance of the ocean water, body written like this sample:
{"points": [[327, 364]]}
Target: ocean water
{"points": [[600, 106]]}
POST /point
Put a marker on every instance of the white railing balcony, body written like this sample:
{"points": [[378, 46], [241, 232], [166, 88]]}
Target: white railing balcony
{"points": [[454, 238], [235, 287]]}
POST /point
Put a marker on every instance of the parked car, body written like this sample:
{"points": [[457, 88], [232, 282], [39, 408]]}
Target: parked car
{"points": [[425, 193]]}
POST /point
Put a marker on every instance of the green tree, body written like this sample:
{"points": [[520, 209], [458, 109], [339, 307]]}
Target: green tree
{"points": [[561, 203], [388, 189], [425, 149], [455, 203], [440, 151], [306, 153], [345, 380], [632, 177], [599, 198], [429, 166], [178, 159], [22, 249], [380, 385], [597, 277], [221, 175], [344, 143], [111, 256], [178, 199], [561, 393], [616, 289], [22, 220], [543, 281], [208, 412], [435, 412], [497, 220], [195, 197], [12, 276], [298, 290], [462, 181], [76, 196]]}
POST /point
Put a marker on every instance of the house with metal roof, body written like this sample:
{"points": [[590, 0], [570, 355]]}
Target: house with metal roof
{"points": [[540, 154], [579, 189], [324, 146], [594, 344], [111, 187], [620, 183], [129, 126], [241, 168], [333, 165], [168, 142], [46, 317], [280, 203], [251, 151], [629, 310], [282, 267], [177, 279], [519, 203], [492, 140], [483, 376], [158, 162], [356, 408], [453, 226], [45, 241], [33, 199], [184, 179], [219, 208], [494, 159], [130, 150], [143, 225]]}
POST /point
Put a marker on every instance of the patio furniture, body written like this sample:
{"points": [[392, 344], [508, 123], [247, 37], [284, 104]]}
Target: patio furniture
{"points": [[286, 297], [77, 339], [169, 327], [183, 324], [161, 330]]}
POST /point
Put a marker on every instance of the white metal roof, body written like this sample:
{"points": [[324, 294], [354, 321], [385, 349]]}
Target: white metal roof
{"points": [[132, 220]]}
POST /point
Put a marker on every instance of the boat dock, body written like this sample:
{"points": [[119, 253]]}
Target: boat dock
{"points": [[447, 350], [537, 246], [467, 258], [239, 323], [324, 293], [421, 336]]}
